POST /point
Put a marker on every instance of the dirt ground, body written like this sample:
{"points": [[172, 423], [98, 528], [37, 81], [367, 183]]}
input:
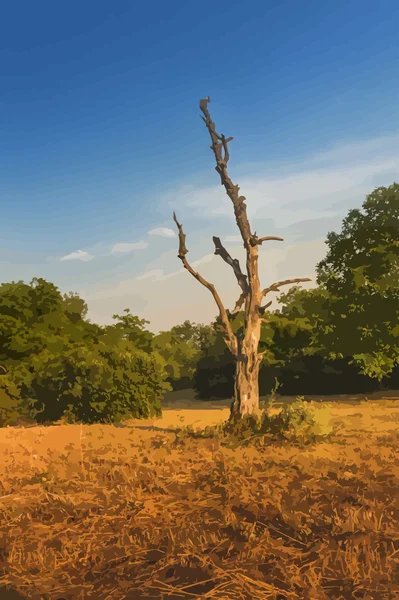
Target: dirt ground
{"points": [[140, 511]]}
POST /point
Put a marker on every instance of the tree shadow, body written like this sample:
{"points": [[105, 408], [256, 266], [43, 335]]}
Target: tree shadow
{"points": [[7, 593]]}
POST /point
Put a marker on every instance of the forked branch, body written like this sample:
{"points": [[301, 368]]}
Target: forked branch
{"points": [[234, 263], [228, 332], [275, 287], [238, 305]]}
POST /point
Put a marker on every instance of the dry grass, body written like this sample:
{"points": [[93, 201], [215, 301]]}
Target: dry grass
{"points": [[110, 513]]}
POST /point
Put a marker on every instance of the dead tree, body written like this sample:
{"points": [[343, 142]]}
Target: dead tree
{"points": [[243, 345]]}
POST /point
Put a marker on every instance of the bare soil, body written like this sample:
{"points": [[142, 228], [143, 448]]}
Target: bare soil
{"points": [[139, 511]]}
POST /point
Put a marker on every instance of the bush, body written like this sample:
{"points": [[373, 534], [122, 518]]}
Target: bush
{"points": [[96, 384], [13, 409], [295, 421]]}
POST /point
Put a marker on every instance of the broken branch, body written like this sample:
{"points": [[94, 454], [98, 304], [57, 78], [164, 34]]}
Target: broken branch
{"points": [[228, 332], [263, 309], [275, 286], [233, 262], [255, 241]]}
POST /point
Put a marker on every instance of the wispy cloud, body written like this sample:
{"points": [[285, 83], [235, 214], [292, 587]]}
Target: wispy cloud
{"points": [[158, 275], [205, 259], [124, 248], [306, 190], [78, 255], [300, 205], [163, 232], [154, 275]]}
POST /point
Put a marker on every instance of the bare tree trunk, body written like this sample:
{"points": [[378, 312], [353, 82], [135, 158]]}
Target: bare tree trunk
{"points": [[244, 344], [246, 387]]}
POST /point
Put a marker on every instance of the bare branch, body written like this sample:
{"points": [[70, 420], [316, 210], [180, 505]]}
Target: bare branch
{"points": [[263, 309], [228, 332], [221, 152], [182, 239], [234, 263], [255, 241], [3, 369], [275, 286]]}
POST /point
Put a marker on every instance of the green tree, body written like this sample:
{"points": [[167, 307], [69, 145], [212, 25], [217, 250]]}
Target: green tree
{"points": [[56, 360], [131, 328], [326, 340], [361, 276], [93, 384]]}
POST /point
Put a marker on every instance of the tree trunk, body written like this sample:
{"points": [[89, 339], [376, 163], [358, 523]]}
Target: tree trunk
{"points": [[246, 383]]}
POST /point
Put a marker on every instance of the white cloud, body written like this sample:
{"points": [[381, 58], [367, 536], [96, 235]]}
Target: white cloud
{"points": [[296, 197], [124, 248], [301, 205], [201, 261], [384, 147], [158, 275], [163, 232], [154, 275], [78, 255], [178, 296], [307, 190]]}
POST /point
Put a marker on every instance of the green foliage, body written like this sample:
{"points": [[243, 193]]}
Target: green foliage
{"points": [[361, 276], [214, 375], [182, 347], [343, 336], [97, 384], [61, 364], [130, 328], [13, 409], [366, 252]]}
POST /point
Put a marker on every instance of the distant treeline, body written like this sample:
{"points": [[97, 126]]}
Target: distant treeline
{"points": [[340, 337]]}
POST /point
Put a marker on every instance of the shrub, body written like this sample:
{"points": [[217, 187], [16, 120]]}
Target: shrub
{"points": [[97, 384], [13, 409], [295, 421]]}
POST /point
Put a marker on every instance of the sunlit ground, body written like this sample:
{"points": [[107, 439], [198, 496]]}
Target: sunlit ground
{"points": [[137, 511]]}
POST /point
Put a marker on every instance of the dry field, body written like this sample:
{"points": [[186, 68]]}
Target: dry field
{"points": [[137, 512]]}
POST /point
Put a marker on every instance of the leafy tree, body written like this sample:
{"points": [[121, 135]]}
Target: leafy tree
{"points": [[131, 328], [56, 360], [361, 276]]}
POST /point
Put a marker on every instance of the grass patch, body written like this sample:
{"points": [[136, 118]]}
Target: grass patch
{"points": [[103, 512]]}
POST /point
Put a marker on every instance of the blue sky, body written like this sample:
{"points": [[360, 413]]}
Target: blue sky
{"points": [[101, 136]]}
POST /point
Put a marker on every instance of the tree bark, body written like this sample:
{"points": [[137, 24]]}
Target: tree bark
{"points": [[246, 386]]}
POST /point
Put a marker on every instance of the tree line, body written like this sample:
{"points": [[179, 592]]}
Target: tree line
{"points": [[342, 336]]}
